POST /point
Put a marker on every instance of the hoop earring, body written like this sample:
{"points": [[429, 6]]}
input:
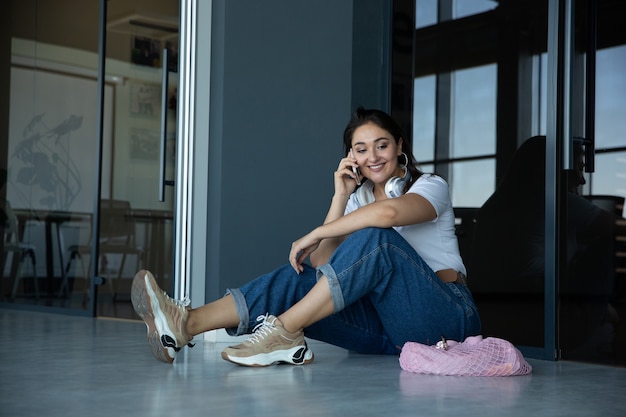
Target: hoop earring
{"points": [[406, 161], [395, 185]]}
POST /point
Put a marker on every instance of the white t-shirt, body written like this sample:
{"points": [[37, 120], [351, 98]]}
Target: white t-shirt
{"points": [[434, 241]]}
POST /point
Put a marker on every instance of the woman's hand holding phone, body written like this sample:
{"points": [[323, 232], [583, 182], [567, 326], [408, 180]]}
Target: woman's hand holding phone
{"points": [[357, 176], [347, 176]]}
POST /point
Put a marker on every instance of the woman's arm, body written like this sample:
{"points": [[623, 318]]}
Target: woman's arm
{"points": [[345, 183], [407, 209], [326, 247]]}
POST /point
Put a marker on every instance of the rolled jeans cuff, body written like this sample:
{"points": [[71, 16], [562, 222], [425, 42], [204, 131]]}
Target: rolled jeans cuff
{"points": [[333, 284], [242, 312]]}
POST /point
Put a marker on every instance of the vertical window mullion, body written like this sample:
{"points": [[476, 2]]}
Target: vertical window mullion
{"points": [[443, 124], [443, 105]]}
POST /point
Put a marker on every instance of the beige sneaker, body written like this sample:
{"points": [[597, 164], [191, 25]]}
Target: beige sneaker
{"points": [[164, 317], [269, 344]]}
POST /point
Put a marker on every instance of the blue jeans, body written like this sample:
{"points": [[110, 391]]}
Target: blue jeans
{"points": [[383, 292]]}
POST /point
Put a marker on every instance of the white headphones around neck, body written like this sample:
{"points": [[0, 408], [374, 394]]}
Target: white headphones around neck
{"points": [[394, 187]]}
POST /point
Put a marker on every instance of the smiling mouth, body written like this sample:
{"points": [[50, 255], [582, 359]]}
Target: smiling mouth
{"points": [[376, 167]]}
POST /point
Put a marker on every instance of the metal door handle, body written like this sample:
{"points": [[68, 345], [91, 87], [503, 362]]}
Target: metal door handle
{"points": [[163, 145]]}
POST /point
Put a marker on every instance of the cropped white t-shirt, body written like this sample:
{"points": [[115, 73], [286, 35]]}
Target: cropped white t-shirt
{"points": [[434, 241]]}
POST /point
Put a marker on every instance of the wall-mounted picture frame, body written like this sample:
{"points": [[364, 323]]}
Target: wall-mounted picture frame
{"points": [[145, 51], [144, 144], [145, 99]]}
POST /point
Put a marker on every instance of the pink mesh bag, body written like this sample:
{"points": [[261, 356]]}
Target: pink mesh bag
{"points": [[473, 357]]}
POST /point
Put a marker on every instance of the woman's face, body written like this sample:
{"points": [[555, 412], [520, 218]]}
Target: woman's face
{"points": [[377, 153]]}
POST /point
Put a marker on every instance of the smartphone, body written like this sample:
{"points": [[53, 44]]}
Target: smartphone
{"points": [[355, 170]]}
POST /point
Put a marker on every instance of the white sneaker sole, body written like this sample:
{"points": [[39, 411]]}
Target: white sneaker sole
{"points": [[146, 304], [299, 355]]}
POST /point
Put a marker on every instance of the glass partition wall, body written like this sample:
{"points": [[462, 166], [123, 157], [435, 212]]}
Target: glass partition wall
{"points": [[63, 168], [49, 144], [520, 105], [137, 198], [592, 261]]}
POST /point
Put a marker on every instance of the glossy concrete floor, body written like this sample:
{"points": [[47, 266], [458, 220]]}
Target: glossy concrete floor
{"points": [[57, 365]]}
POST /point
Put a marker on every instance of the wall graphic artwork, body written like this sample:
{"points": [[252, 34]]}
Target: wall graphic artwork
{"points": [[53, 141]]}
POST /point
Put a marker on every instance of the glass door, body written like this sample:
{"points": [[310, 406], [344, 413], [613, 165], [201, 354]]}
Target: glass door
{"points": [[138, 165], [48, 146], [524, 117], [479, 120], [87, 168], [592, 283]]}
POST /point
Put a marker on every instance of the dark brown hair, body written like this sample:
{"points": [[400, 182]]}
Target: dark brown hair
{"points": [[384, 121]]}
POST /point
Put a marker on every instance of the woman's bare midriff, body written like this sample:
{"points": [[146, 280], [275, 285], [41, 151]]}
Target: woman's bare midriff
{"points": [[449, 275]]}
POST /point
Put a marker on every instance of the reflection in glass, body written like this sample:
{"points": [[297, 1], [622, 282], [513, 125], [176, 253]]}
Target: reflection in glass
{"points": [[136, 229], [53, 116], [48, 193], [593, 291], [609, 177], [590, 288], [610, 97], [472, 182], [424, 118], [540, 95], [506, 268], [463, 8], [602, 263], [474, 112], [590, 291], [511, 303]]}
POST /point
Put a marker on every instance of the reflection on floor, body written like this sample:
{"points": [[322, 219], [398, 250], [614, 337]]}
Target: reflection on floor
{"points": [[58, 365], [112, 304]]}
